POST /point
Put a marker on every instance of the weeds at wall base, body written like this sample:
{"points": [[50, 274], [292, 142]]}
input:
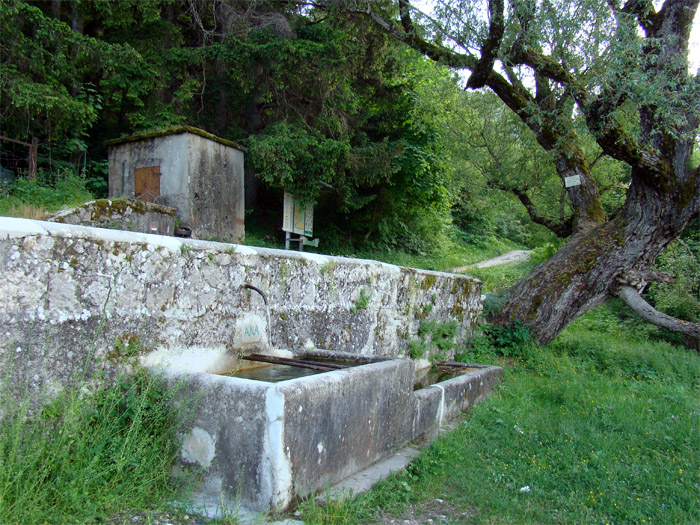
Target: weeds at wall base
{"points": [[85, 455]]}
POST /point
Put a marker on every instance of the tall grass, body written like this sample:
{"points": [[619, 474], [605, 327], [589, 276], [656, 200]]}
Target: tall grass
{"points": [[48, 192], [86, 457]]}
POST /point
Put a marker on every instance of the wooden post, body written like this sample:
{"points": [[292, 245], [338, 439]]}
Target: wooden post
{"points": [[33, 150]]}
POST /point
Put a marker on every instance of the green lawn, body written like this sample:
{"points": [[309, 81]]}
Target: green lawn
{"points": [[601, 426]]}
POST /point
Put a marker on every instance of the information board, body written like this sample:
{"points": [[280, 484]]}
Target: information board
{"points": [[298, 218]]}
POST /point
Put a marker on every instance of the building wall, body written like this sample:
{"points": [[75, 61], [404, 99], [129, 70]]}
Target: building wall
{"points": [[201, 178], [169, 153], [216, 190]]}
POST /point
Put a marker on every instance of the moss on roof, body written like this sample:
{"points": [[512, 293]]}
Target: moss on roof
{"points": [[172, 131]]}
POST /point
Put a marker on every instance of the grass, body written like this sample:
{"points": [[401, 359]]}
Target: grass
{"points": [[454, 253], [49, 192], [88, 456], [601, 426]]}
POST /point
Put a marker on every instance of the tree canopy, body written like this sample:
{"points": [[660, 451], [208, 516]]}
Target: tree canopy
{"points": [[319, 100]]}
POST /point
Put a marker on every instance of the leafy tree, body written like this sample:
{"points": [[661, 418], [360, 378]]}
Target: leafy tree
{"points": [[318, 100], [49, 73], [621, 69]]}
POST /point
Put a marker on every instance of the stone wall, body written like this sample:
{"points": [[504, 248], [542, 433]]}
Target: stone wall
{"points": [[75, 300], [123, 214]]}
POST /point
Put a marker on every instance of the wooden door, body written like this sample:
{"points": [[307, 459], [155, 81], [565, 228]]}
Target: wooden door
{"points": [[147, 183]]}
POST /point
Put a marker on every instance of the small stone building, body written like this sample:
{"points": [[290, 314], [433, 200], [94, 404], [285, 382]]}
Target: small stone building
{"points": [[198, 174]]}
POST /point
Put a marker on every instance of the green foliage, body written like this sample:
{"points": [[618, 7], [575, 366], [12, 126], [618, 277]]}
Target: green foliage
{"points": [[681, 297], [297, 159], [542, 253], [49, 190], [434, 338], [125, 347], [48, 73], [347, 511], [88, 455], [362, 301], [328, 106], [513, 340], [417, 348]]}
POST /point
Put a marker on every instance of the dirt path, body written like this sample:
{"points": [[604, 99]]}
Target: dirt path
{"points": [[509, 257]]}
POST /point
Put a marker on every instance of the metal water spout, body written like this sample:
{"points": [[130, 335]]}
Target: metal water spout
{"points": [[267, 311], [255, 288]]}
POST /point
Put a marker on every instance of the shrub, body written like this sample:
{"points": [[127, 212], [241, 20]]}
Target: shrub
{"points": [[681, 297], [513, 340], [48, 191]]}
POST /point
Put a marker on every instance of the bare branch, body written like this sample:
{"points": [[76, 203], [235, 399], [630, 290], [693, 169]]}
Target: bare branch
{"points": [[560, 229], [648, 313], [489, 48], [410, 36]]}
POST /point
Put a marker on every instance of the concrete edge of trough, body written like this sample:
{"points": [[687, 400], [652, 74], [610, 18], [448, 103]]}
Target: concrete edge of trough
{"points": [[364, 480]]}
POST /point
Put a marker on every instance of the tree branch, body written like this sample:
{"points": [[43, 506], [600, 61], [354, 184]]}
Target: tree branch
{"points": [[560, 229], [489, 48], [644, 11], [648, 313], [410, 36]]}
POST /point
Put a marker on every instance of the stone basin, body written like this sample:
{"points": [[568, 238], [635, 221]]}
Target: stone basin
{"points": [[266, 444]]}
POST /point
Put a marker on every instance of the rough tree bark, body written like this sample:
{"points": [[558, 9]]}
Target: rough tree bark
{"points": [[605, 255]]}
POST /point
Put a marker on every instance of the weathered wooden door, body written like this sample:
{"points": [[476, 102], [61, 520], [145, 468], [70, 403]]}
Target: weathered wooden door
{"points": [[147, 183]]}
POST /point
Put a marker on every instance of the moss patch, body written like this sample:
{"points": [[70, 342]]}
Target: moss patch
{"points": [[177, 130], [428, 282]]}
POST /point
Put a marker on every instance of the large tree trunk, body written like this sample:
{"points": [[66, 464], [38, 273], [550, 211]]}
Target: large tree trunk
{"points": [[596, 264]]}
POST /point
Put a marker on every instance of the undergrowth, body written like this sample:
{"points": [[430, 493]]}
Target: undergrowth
{"points": [[49, 191], [87, 456]]}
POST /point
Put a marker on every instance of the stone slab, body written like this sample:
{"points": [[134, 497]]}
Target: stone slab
{"points": [[364, 480]]}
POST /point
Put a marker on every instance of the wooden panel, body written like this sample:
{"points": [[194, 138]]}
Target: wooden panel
{"points": [[147, 183]]}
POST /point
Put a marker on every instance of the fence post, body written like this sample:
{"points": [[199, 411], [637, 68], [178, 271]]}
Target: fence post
{"points": [[31, 161]]}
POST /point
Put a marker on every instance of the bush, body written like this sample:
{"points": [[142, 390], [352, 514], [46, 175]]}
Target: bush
{"points": [[513, 340], [681, 297]]}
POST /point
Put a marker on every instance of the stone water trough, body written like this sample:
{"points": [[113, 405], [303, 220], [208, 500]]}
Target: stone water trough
{"points": [[266, 442], [79, 305]]}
